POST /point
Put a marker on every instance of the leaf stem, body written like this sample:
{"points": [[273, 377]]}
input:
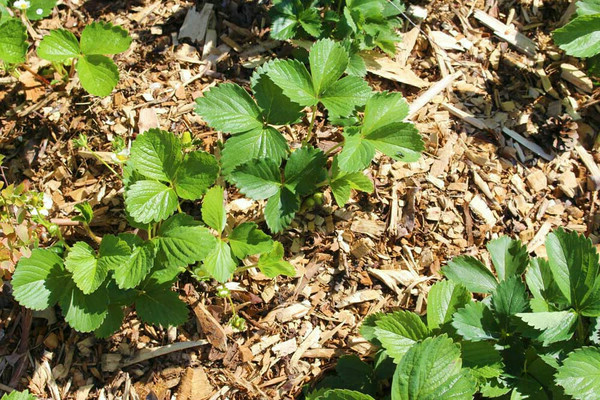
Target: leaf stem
{"points": [[102, 161], [245, 268], [334, 148], [91, 234], [311, 125], [36, 75]]}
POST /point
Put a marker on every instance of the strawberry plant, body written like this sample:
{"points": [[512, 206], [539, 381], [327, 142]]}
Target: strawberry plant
{"points": [[535, 334], [93, 282], [97, 73], [257, 157], [14, 395], [581, 36]]}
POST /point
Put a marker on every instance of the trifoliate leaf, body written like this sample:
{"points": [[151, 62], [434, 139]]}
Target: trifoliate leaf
{"points": [[384, 109], [112, 322], [475, 322], [157, 304], [398, 331], [400, 141], [183, 241], [86, 213], [471, 273], [38, 281], [343, 182], [555, 326], [277, 108], [580, 37], [265, 143], [281, 209], [13, 42], [98, 74], [220, 263], [305, 169], [213, 209], [148, 201], [357, 153], [82, 262], [156, 154], [113, 252], [328, 61], [431, 370], [444, 299], [257, 179], [580, 373], [136, 267], [229, 108], [509, 257], [574, 264], [310, 21], [294, 80], [15, 395], [272, 264], [510, 297], [104, 38], [246, 239], [196, 174], [345, 95], [482, 359], [84, 312], [59, 45], [39, 9], [284, 20]]}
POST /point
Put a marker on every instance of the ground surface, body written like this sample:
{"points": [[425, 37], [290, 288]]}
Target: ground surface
{"points": [[382, 251]]}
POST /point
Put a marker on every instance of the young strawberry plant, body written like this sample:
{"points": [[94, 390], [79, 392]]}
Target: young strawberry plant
{"points": [[93, 282], [581, 36], [97, 73], [14, 395], [257, 157], [535, 334]]}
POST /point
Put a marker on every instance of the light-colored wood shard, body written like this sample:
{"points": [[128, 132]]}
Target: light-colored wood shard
{"points": [[507, 33], [573, 75], [482, 210], [195, 23]]}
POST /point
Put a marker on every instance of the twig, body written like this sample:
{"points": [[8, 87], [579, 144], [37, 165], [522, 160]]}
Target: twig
{"points": [[430, 93], [161, 351]]}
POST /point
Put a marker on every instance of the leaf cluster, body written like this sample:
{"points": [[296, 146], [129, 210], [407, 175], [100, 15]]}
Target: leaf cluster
{"points": [[15, 395], [535, 334]]}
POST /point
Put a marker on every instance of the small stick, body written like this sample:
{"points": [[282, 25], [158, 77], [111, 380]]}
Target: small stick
{"points": [[430, 93], [161, 351]]}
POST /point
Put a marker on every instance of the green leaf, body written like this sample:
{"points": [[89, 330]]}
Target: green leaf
{"points": [[328, 61], [272, 264], [310, 21], [266, 143], [367, 329], [294, 80], [84, 312], [99, 75], [595, 331], [471, 273], [588, 7], [444, 299], [39, 9], [384, 109], [246, 239], [196, 174], [510, 297], [555, 326], [59, 45], [305, 169], [482, 359], [82, 262], [281, 209], [229, 108], [400, 141], [353, 374], [277, 108], [357, 153], [157, 304], [150, 201], [342, 183], [344, 394], [213, 209], [15, 395], [183, 241], [541, 282], [580, 37], [157, 155], [580, 373], [113, 252], [136, 267], [284, 20], [345, 95], [431, 370], [509, 257], [104, 38], [574, 264], [475, 322], [86, 213], [112, 322], [257, 179], [398, 331], [38, 281], [13, 42], [220, 263]]}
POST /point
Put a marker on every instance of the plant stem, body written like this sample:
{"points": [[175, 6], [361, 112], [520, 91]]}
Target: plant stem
{"points": [[334, 148], [102, 161], [91, 234], [239, 270], [36, 75], [311, 125], [580, 330]]}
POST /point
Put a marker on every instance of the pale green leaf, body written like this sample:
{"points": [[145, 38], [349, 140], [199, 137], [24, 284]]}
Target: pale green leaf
{"points": [[398, 331], [157, 155], [16, 395], [257, 179], [344, 182], [541, 282], [295, 81], [580, 37], [157, 304], [509, 257], [444, 299], [588, 7], [343, 394], [98, 74], [328, 61], [471, 273], [357, 152], [39, 9], [213, 209], [104, 38], [246, 239], [82, 262], [400, 141], [113, 252], [265, 143], [220, 263], [13, 42], [38, 280], [59, 45], [272, 264], [150, 201], [86, 213], [281, 209], [196, 174], [84, 312], [580, 374]]}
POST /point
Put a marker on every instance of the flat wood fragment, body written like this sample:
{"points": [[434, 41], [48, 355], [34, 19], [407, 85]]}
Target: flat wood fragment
{"points": [[195, 23], [466, 116], [433, 91], [482, 210], [211, 328], [359, 297], [590, 164], [573, 75], [539, 237], [147, 354], [529, 144], [507, 33], [386, 68]]}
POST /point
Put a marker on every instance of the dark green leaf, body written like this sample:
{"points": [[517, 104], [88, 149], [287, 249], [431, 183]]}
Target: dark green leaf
{"points": [[246, 239], [580, 37], [345, 95], [219, 263], [475, 322], [509, 257], [150, 201], [266, 143], [342, 183], [281, 209], [84, 312], [257, 179], [136, 267], [305, 169], [444, 299], [588, 7], [554, 326], [471, 273], [328, 61], [482, 359], [294, 80], [510, 297], [158, 304], [156, 154], [112, 322]]}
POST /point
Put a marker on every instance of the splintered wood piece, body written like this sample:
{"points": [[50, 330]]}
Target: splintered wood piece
{"points": [[571, 74], [430, 93], [386, 68], [466, 116], [529, 144], [359, 297], [539, 237], [590, 164], [148, 354], [194, 385], [508, 33], [479, 207], [195, 23], [211, 327]]}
